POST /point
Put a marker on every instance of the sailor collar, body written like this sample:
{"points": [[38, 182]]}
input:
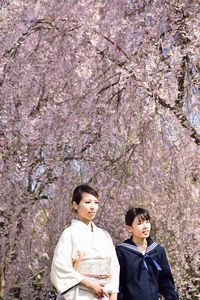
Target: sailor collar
{"points": [[131, 245]]}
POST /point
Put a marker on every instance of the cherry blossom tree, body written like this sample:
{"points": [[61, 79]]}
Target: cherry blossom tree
{"points": [[106, 93]]}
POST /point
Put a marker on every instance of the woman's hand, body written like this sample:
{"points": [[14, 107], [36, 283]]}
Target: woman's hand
{"points": [[113, 296], [95, 288]]}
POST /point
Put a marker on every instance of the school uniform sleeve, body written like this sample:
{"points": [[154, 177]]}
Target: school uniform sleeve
{"points": [[165, 279], [63, 276]]}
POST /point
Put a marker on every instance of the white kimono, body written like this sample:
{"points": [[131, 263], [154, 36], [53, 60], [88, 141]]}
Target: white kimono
{"points": [[82, 253]]}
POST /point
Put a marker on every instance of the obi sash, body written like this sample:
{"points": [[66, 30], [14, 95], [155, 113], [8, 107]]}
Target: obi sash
{"points": [[95, 268]]}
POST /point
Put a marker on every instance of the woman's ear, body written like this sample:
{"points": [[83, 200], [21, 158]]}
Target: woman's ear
{"points": [[129, 228], [74, 205]]}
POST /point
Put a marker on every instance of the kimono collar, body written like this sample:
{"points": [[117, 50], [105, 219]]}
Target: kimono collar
{"points": [[82, 225]]}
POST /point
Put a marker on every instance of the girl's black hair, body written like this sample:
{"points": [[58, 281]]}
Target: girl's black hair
{"points": [[134, 212], [80, 189]]}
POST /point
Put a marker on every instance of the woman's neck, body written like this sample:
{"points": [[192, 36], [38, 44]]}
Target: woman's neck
{"points": [[85, 221]]}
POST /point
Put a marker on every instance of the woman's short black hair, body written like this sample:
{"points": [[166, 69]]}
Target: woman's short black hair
{"points": [[134, 212], [80, 189]]}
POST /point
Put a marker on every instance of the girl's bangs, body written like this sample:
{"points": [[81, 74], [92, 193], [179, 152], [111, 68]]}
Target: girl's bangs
{"points": [[143, 217]]}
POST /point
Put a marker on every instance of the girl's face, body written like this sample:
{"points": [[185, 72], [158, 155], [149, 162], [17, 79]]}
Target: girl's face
{"points": [[87, 208], [140, 229]]}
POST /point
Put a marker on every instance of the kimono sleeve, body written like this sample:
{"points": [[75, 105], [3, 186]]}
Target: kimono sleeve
{"points": [[63, 276], [114, 286], [165, 280]]}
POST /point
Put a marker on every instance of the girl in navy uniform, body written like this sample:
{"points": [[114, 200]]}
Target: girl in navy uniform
{"points": [[144, 269]]}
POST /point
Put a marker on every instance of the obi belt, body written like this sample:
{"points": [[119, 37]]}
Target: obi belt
{"points": [[95, 268]]}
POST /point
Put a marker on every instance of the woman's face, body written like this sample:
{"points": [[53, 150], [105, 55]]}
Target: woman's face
{"points": [[87, 208]]}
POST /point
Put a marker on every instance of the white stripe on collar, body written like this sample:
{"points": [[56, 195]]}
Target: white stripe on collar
{"points": [[152, 246]]}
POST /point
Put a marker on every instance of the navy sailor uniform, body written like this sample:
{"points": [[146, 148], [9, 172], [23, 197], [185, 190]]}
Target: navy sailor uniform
{"points": [[144, 276]]}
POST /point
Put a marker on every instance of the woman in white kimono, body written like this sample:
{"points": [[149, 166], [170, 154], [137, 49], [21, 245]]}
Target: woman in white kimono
{"points": [[85, 265]]}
